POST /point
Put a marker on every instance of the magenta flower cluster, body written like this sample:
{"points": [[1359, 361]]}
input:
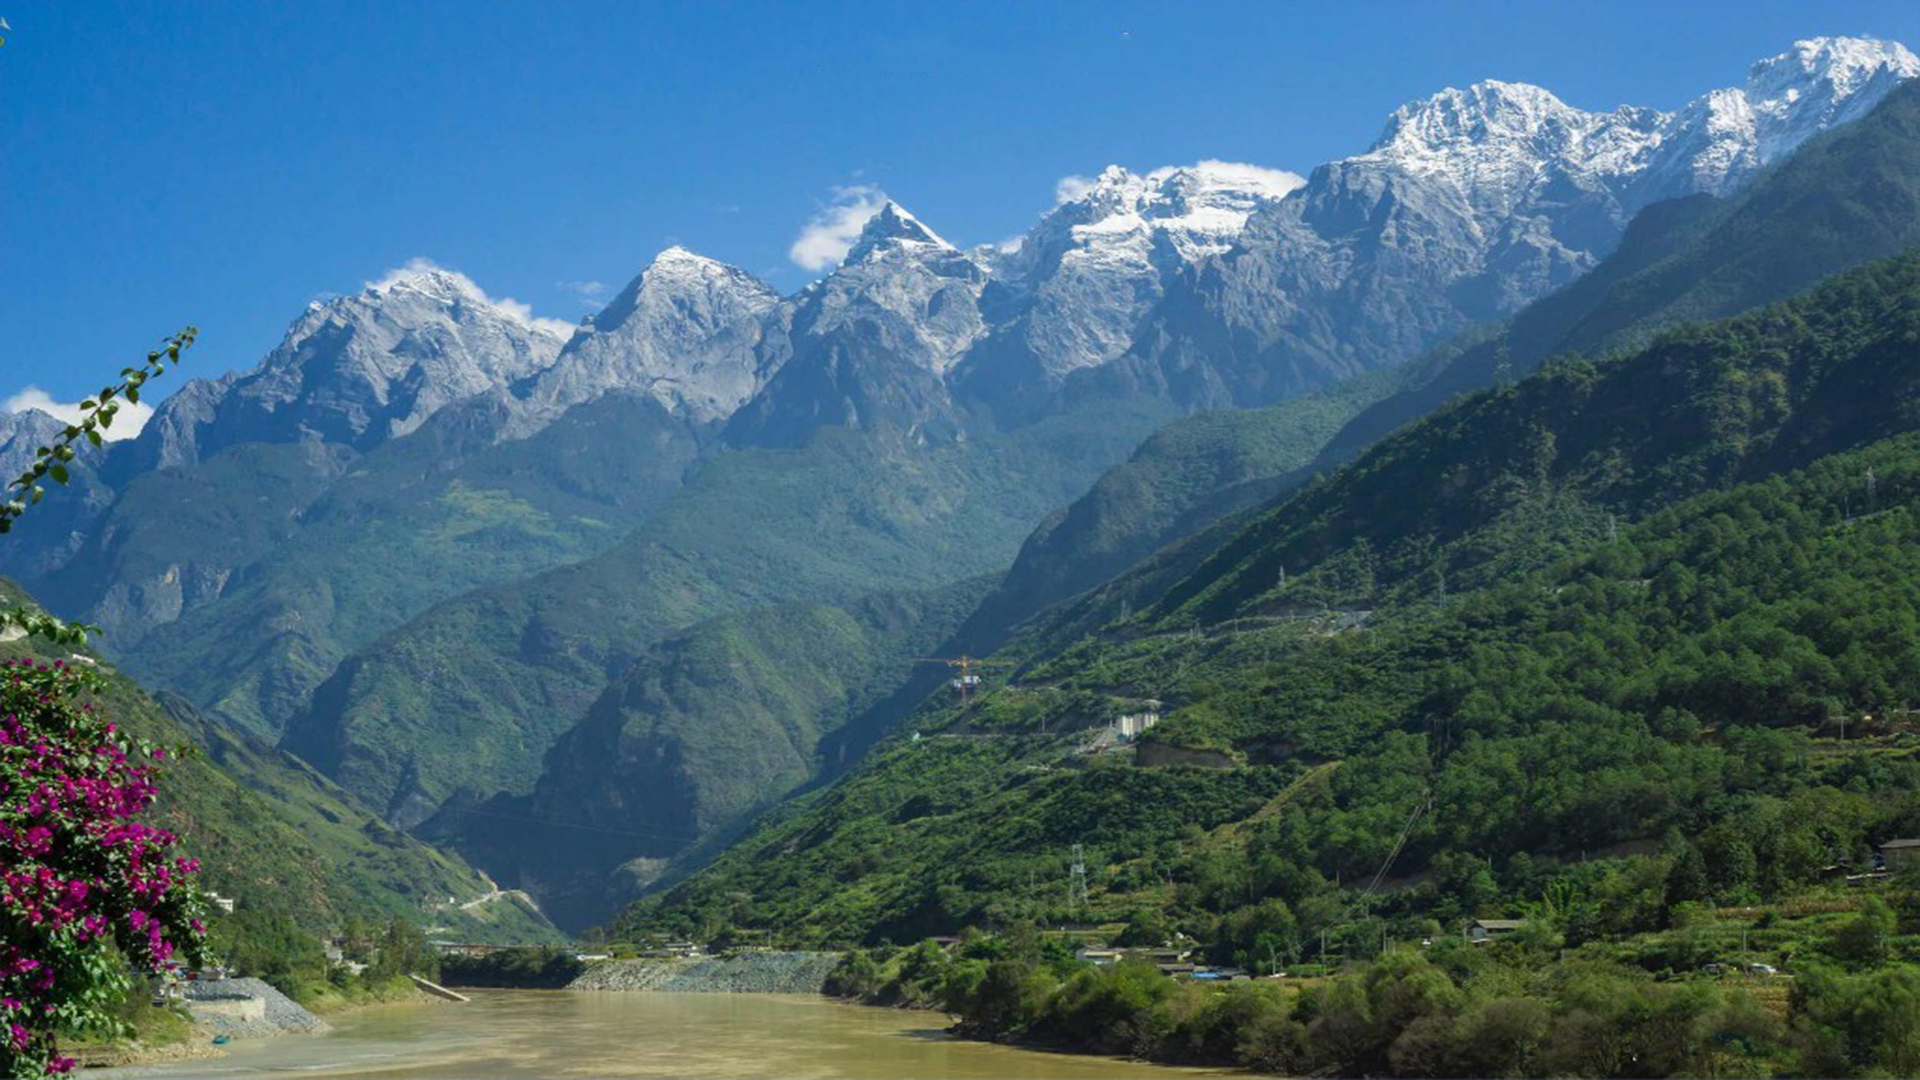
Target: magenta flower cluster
{"points": [[87, 891]]}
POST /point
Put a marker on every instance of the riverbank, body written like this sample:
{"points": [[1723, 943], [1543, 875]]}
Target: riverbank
{"points": [[213, 1008], [246, 1009], [745, 973]]}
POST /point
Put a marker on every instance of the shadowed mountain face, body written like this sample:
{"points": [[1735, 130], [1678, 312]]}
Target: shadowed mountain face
{"points": [[429, 532]]}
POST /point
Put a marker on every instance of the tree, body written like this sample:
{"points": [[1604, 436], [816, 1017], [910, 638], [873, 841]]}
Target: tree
{"points": [[1146, 929], [85, 889], [1866, 939]]}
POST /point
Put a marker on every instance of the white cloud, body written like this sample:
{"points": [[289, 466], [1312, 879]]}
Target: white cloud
{"points": [[126, 423], [1070, 188], [830, 235], [1275, 181], [1271, 183], [559, 328], [418, 268]]}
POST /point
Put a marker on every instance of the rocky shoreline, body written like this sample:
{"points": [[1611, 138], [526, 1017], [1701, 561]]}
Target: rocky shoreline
{"points": [[747, 973], [212, 1001]]}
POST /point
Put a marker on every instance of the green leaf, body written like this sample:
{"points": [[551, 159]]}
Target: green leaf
{"points": [[93, 437], [59, 473], [133, 393]]}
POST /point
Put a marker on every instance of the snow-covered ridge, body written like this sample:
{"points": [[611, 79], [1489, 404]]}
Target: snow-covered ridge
{"points": [[1499, 188], [1201, 208], [361, 368], [1495, 138]]}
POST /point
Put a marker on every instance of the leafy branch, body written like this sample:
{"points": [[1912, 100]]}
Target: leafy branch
{"points": [[99, 410], [42, 625], [51, 462]]}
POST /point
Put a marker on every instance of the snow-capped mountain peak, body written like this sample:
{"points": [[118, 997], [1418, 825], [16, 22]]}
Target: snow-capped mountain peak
{"points": [[427, 279], [676, 259], [684, 331], [1120, 215], [1489, 113], [361, 368], [893, 229], [1848, 64], [1091, 269], [1814, 85]]}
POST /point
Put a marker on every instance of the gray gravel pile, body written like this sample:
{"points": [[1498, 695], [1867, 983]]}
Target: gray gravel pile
{"points": [[749, 973], [283, 1013]]}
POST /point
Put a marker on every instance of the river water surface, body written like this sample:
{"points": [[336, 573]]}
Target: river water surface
{"points": [[534, 1033]]}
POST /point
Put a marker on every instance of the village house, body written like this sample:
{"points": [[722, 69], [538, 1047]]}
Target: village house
{"points": [[1900, 854], [1480, 931]]}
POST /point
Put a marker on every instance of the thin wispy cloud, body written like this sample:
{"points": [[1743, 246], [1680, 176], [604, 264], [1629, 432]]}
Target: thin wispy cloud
{"points": [[590, 293], [126, 423], [830, 234]]}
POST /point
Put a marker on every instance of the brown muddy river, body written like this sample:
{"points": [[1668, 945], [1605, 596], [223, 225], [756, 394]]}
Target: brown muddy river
{"points": [[532, 1033]]}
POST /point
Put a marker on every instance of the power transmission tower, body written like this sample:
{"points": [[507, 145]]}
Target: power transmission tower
{"points": [[1077, 881]]}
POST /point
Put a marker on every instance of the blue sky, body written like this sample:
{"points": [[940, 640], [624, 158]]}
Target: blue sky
{"points": [[223, 163]]}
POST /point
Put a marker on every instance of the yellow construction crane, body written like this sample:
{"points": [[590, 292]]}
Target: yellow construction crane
{"points": [[966, 682]]}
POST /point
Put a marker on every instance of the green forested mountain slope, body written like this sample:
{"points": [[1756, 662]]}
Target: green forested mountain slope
{"points": [[1509, 477], [1183, 477], [283, 840], [242, 580], [708, 726], [1579, 685], [468, 696], [1846, 197], [1670, 679]]}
